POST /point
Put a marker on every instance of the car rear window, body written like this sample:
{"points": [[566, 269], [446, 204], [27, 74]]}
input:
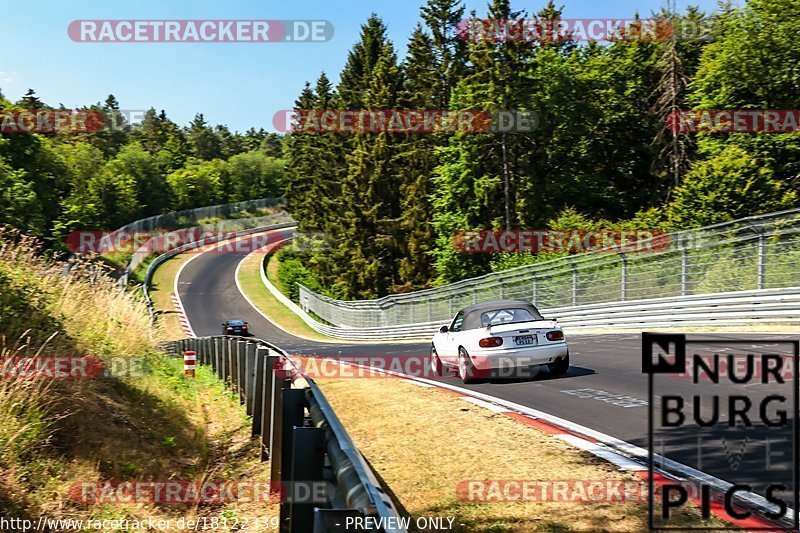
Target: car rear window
{"points": [[235, 323], [508, 315]]}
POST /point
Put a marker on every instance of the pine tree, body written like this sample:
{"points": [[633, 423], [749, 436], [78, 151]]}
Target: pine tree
{"points": [[442, 17]]}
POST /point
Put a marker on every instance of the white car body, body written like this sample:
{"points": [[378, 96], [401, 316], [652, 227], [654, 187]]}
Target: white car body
{"points": [[523, 344]]}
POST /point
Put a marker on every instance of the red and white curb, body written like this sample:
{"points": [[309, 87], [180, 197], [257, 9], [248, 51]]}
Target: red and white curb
{"points": [[625, 456], [178, 305]]}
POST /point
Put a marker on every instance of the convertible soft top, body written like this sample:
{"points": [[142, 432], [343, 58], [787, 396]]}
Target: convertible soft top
{"points": [[472, 314]]}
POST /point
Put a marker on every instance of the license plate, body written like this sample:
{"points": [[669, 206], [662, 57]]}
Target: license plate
{"points": [[525, 340]]}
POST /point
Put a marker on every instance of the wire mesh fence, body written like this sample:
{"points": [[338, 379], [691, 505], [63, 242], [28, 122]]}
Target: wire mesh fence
{"points": [[759, 252]]}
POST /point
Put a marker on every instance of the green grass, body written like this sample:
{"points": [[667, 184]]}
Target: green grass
{"points": [[253, 287]]}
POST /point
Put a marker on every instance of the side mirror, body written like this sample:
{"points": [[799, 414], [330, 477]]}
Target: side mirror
{"points": [[443, 329]]}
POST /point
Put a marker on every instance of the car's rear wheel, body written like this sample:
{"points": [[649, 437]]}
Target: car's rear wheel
{"points": [[560, 366], [436, 363], [466, 370]]}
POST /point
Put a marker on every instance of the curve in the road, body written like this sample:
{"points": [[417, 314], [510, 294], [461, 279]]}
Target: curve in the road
{"points": [[604, 390]]}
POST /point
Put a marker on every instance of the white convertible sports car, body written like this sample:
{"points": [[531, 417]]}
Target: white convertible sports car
{"points": [[502, 335]]}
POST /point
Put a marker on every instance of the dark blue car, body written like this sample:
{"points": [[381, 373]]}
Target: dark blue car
{"points": [[235, 327]]}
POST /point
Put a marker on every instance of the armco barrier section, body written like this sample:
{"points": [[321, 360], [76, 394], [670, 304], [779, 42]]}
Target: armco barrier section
{"points": [[760, 253], [184, 220], [300, 434]]}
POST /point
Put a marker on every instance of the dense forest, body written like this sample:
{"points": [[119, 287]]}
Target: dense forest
{"points": [[54, 183], [602, 154]]}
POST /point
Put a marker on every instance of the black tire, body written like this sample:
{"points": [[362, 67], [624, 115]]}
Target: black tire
{"points": [[560, 366], [436, 363], [466, 370]]}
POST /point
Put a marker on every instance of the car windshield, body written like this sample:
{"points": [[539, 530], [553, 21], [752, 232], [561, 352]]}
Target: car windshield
{"points": [[507, 316]]}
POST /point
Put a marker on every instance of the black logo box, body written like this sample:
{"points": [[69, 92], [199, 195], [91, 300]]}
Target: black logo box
{"points": [[675, 344]]}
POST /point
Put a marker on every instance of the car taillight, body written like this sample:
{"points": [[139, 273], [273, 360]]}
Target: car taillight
{"points": [[244, 327], [555, 335], [490, 342], [229, 328]]}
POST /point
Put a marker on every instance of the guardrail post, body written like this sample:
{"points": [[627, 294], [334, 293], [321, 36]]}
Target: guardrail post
{"points": [[269, 394], [502, 288], [624, 277], [279, 384], [762, 261], [292, 410], [430, 313], [228, 367], [213, 354], [307, 463], [206, 350], [241, 371], [260, 362], [250, 363], [534, 288], [293, 402], [450, 306], [234, 370]]}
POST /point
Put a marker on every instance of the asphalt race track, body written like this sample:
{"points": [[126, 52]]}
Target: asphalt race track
{"points": [[604, 389]]}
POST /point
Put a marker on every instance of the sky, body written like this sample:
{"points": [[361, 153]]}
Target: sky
{"points": [[241, 85]]}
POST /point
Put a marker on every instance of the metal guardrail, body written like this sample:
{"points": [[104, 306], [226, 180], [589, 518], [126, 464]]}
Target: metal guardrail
{"points": [[181, 221], [148, 276], [300, 435], [760, 253]]}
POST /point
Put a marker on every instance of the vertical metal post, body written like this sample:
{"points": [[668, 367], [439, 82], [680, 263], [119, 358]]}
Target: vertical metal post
{"points": [[293, 404], [268, 395], [535, 288], [762, 261], [241, 371], [624, 277], [307, 462], [450, 306], [229, 362], [684, 267], [279, 383], [258, 388], [475, 295], [502, 288], [249, 377], [214, 353]]}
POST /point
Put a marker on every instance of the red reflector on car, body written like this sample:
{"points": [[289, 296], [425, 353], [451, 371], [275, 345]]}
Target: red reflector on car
{"points": [[490, 342], [555, 335], [244, 327]]}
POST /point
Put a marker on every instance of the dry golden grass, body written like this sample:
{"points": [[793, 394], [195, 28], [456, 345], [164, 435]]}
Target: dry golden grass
{"points": [[423, 442], [154, 425]]}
